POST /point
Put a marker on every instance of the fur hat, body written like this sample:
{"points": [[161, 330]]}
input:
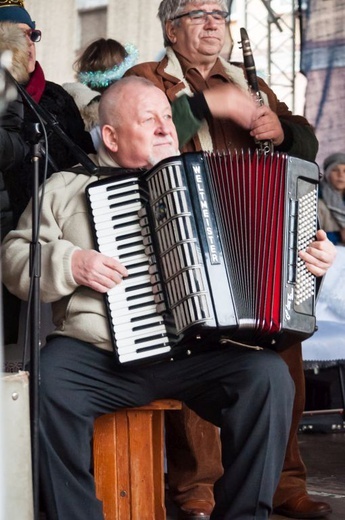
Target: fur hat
{"points": [[13, 39], [13, 11], [82, 94], [87, 101]]}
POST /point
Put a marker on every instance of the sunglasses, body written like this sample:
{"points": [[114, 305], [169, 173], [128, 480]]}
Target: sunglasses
{"points": [[34, 35]]}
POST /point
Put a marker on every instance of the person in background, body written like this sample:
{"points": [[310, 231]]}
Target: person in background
{"points": [[13, 148], [332, 198], [102, 63], [79, 377], [51, 97], [60, 105], [190, 73]]}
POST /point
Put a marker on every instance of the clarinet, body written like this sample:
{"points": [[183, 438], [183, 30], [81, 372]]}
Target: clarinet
{"points": [[249, 65]]}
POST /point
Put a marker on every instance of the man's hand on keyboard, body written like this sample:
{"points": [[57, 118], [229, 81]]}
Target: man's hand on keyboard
{"points": [[97, 271]]}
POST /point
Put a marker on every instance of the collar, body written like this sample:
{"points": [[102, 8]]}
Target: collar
{"points": [[231, 72], [186, 66]]}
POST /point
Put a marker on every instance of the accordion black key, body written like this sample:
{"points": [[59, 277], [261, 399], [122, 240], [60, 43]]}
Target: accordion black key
{"points": [[211, 243]]}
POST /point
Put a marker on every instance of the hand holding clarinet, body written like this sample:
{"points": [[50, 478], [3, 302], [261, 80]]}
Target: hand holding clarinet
{"points": [[266, 128]]}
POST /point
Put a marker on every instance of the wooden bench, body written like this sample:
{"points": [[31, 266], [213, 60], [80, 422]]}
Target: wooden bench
{"points": [[129, 461]]}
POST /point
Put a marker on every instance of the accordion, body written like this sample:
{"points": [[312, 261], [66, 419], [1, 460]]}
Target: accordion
{"points": [[211, 245]]}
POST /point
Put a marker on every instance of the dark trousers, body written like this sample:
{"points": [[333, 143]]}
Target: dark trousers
{"points": [[194, 452], [247, 393]]}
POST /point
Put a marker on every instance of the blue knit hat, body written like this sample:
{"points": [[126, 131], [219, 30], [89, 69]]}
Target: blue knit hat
{"points": [[13, 11]]}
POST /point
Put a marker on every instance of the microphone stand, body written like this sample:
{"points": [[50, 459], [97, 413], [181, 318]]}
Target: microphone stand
{"points": [[35, 319]]}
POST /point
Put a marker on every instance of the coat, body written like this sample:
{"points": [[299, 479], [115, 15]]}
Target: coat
{"points": [[168, 76]]}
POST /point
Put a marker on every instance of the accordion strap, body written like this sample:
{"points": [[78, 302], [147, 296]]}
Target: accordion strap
{"points": [[104, 171]]}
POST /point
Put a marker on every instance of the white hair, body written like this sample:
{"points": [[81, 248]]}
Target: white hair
{"points": [[168, 9]]}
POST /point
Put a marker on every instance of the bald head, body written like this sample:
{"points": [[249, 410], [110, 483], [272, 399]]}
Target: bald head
{"points": [[111, 106], [136, 122]]}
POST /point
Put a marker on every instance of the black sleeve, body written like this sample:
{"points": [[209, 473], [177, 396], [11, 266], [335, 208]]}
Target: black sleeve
{"points": [[12, 146], [288, 139], [61, 105], [299, 140]]}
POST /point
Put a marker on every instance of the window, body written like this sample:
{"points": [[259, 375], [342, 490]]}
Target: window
{"points": [[91, 4], [93, 25]]}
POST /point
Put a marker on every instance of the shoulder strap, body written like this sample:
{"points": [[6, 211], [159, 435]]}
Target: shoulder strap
{"points": [[103, 171]]}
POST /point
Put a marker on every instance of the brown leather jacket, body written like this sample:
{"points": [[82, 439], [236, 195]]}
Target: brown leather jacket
{"points": [[300, 139]]}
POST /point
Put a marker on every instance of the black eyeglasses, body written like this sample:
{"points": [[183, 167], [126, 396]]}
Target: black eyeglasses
{"points": [[200, 16], [34, 35]]}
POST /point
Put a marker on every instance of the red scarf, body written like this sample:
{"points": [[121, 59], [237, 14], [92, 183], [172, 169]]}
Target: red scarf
{"points": [[36, 84]]}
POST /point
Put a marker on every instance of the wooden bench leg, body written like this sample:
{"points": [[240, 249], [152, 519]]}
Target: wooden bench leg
{"points": [[129, 462]]}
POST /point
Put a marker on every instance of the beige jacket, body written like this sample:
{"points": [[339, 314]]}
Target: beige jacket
{"points": [[78, 311]]}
